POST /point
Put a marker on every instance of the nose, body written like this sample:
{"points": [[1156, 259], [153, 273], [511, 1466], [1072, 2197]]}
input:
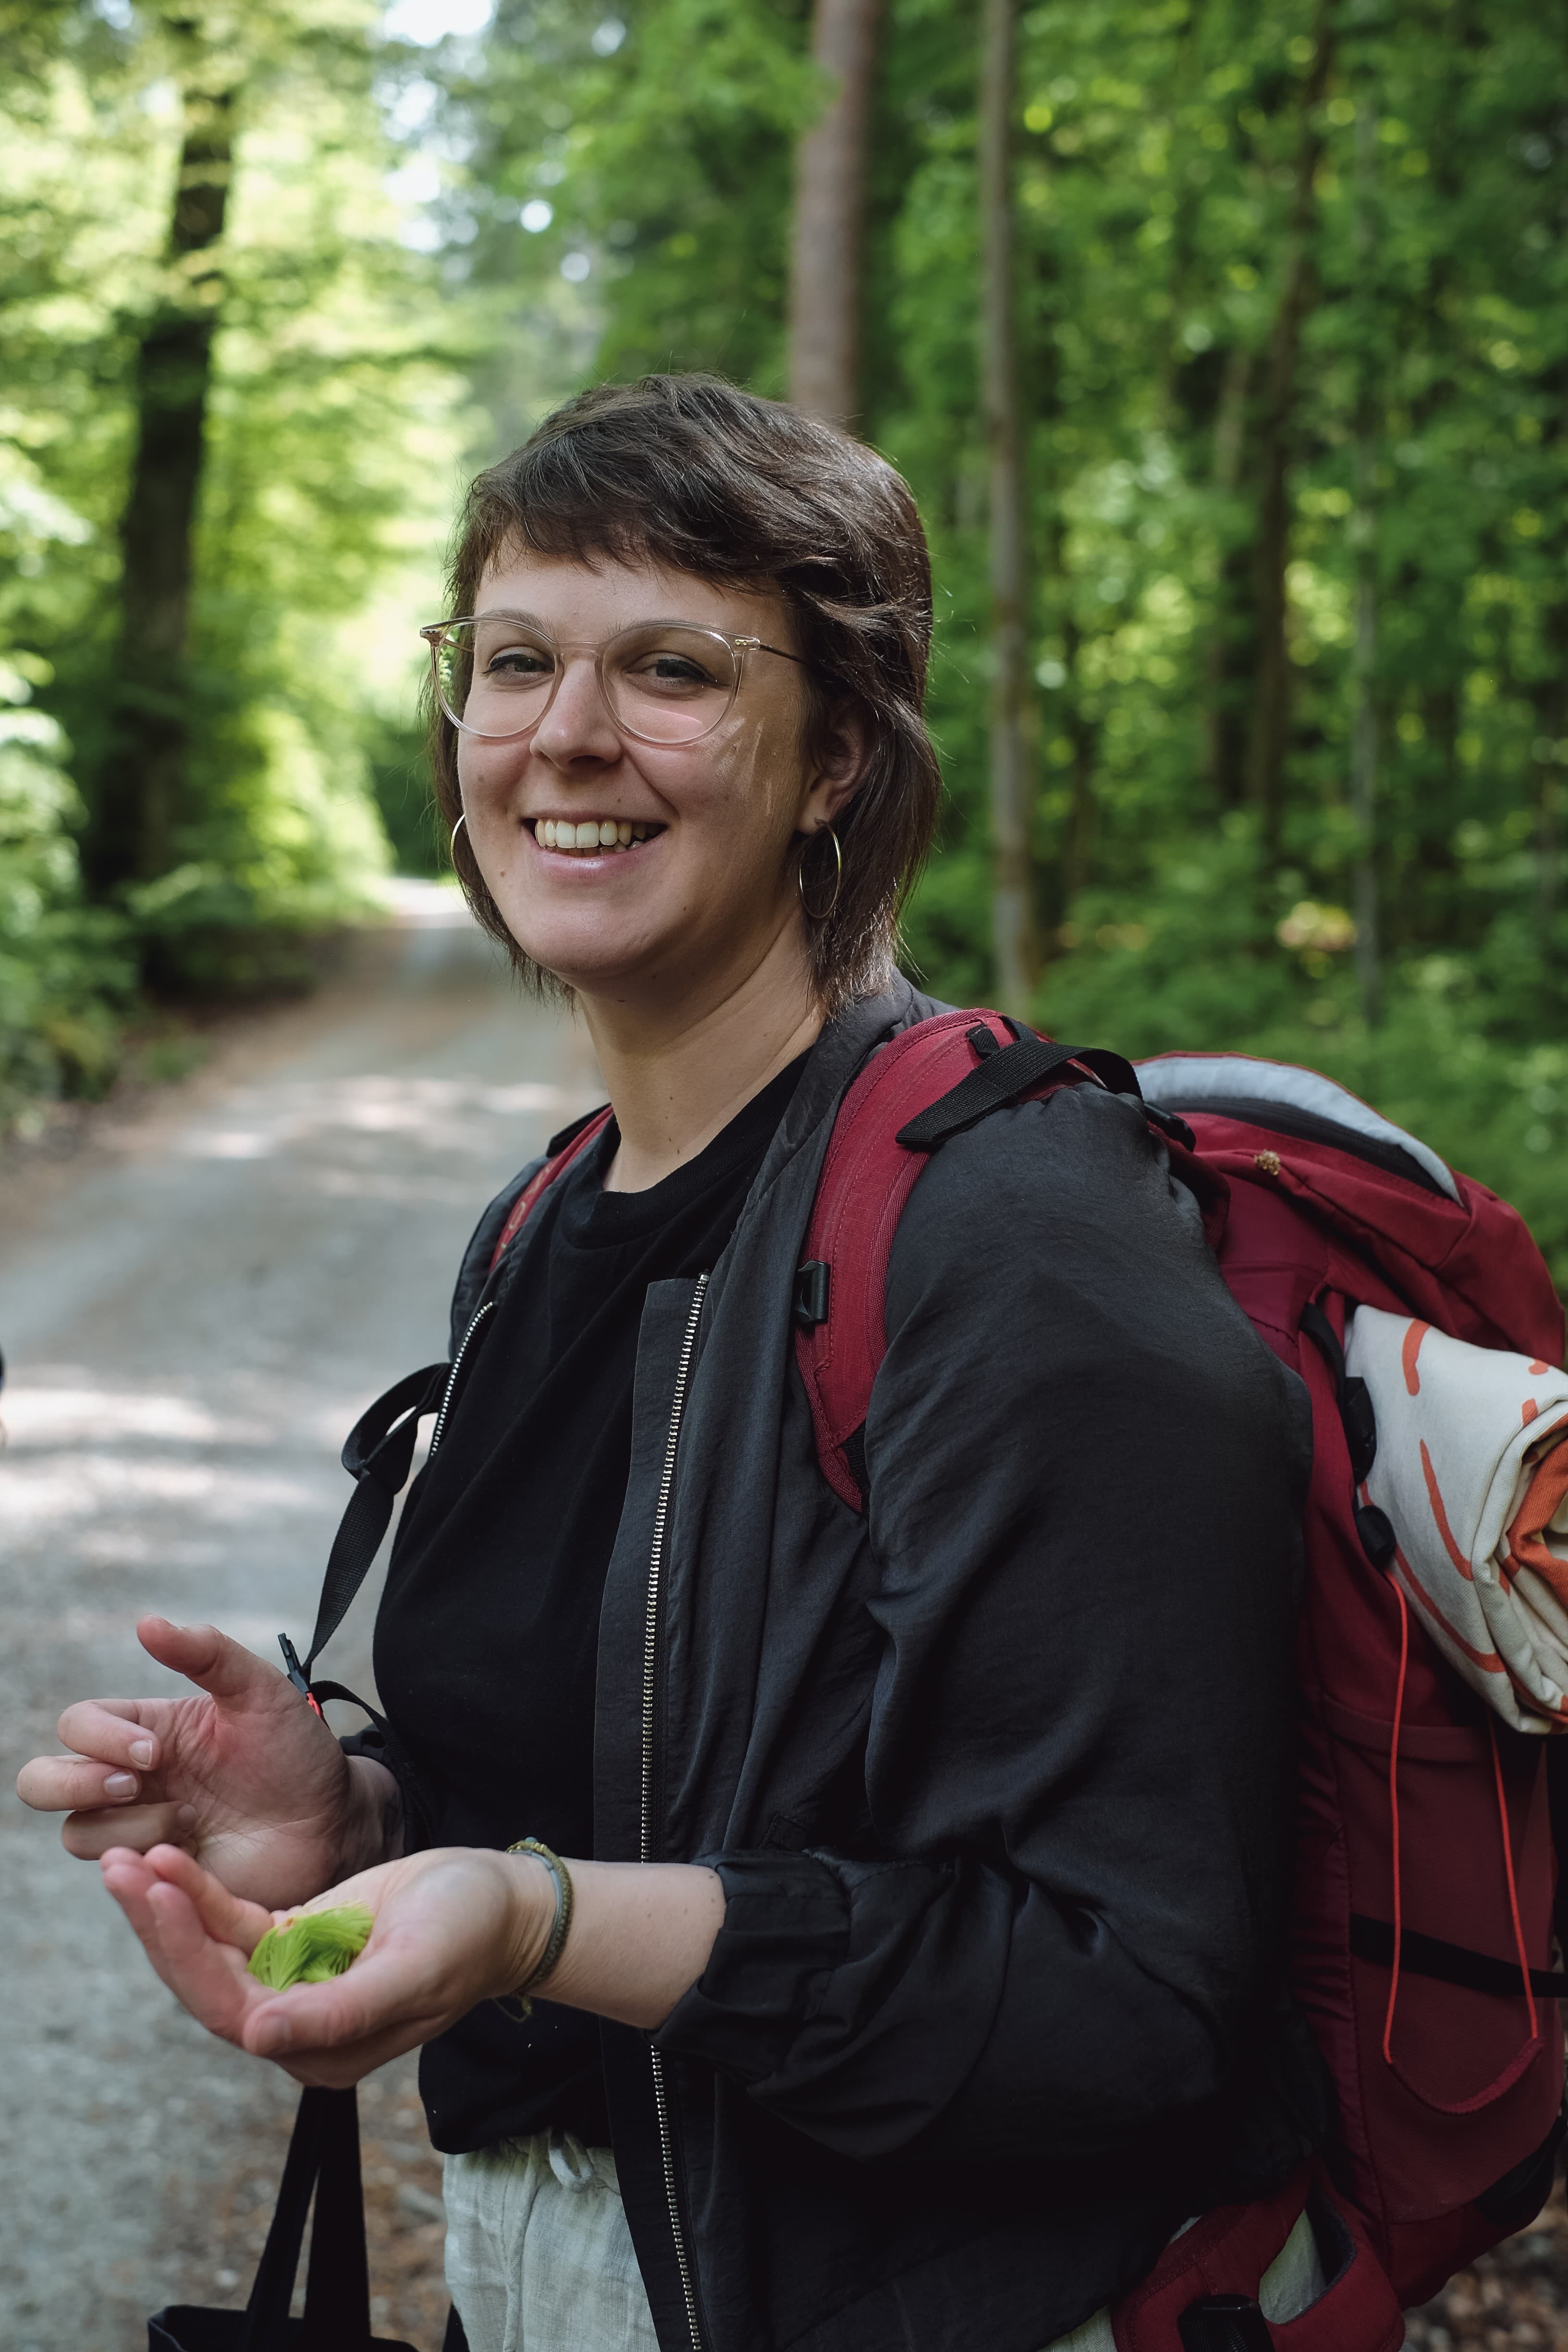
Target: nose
{"points": [[577, 725]]}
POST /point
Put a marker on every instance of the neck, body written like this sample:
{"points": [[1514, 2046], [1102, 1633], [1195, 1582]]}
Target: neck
{"points": [[676, 1076]]}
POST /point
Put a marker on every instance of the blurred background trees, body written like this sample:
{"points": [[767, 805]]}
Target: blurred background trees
{"points": [[1292, 423]]}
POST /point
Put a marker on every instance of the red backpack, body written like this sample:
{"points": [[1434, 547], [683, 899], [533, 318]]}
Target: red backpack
{"points": [[1425, 1876]]}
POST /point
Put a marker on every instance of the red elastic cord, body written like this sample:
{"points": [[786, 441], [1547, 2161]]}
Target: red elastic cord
{"points": [[1394, 1814], [1519, 1944]]}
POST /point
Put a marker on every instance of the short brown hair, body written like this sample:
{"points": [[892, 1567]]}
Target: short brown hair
{"points": [[691, 473]]}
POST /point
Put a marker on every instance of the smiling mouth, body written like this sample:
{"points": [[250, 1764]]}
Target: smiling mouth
{"points": [[591, 836]]}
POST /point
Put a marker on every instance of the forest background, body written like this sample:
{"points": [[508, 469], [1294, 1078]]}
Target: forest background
{"points": [[1287, 286]]}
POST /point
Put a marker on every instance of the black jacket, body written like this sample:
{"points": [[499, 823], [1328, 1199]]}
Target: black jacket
{"points": [[997, 1776]]}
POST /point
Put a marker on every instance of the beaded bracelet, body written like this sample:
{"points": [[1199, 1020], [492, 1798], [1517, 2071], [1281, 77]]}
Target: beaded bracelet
{"points": [[560, 1929]]}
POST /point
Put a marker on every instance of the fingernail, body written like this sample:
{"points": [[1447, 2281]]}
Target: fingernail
{"points": [[186, 1817], [120, 1784], [141, 1751], [273, 2036]]}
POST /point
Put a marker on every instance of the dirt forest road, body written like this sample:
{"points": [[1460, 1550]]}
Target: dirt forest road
{"points": [[193, 1308]]}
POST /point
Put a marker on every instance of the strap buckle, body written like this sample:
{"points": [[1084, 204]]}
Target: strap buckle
{"points": [[297, 1675]]}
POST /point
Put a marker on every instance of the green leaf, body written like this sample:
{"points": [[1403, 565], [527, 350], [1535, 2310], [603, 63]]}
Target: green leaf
{"points": [[310, 1949]]}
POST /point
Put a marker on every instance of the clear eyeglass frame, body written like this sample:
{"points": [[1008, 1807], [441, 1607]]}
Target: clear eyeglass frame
{"points": [[436, 636]]}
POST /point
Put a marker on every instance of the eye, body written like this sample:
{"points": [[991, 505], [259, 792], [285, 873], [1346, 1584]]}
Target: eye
{"points": [[672, 671], [519, 664]]}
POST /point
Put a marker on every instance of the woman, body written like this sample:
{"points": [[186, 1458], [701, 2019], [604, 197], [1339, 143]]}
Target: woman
{"points": [[923, 1977]]}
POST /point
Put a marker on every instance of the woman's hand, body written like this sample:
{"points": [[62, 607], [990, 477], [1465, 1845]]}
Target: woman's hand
{"points": [[453, 1926], [246, 1776]]}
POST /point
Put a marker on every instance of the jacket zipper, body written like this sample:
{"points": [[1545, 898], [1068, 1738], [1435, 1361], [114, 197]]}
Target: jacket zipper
{"points": [[650, 1675], [485, 1308]]}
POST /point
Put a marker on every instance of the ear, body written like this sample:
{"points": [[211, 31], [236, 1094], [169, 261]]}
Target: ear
{"points": [[840, 757]]}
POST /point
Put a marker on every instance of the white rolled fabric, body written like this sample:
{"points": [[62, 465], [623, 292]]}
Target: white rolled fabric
{"points": [[1473, 1471]]}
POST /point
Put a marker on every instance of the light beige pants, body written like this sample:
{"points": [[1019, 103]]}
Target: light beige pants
{"points": [[539, 2257]]}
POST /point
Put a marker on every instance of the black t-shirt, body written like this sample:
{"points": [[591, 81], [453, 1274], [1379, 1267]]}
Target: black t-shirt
{"points": [[486, 1644]]}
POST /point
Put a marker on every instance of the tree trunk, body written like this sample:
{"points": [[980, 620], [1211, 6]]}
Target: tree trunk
{"points": [[830, 217], [1013, 916], [1230, 656], [142, 781], [1363, 758], [1363, 714], [1271, 696], [1550, 754], [1083, 733]]}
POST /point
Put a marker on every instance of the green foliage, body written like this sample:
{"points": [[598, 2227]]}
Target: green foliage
{"points": [[1159, 174], [64, 972], [654, 156], [312, 1947], [1460, 1057], [605, 194], [335, 436]]}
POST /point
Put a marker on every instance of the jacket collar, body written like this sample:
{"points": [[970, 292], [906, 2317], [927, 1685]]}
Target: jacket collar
{"points": [[844, 1044]]}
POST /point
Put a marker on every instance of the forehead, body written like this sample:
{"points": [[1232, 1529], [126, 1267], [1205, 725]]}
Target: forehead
{"points": [[579, 599]]}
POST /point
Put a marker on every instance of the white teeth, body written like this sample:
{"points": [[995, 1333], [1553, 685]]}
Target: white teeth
{"points": [[595, 833]]}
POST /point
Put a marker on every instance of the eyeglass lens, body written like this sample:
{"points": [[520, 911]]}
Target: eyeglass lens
{"points": [[665, 682]]}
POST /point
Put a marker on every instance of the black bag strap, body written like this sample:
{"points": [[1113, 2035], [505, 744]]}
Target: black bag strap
{"points": [[1005, 1072], [337, 2282], [377, 1455], [1359, 1423], [1451, 1964], [323, 2156]]}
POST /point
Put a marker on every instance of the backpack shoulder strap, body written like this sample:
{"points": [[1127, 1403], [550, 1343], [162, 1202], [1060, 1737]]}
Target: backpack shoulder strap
{"points": [[578, 1140], [929, 1083], [379, 1451]]}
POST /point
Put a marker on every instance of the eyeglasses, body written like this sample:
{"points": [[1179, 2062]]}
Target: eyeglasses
{"points": [[662, 681]]}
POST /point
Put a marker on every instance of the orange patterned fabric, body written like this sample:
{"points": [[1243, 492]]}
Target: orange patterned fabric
{"points": [[1535, 1535], [1472, 1470]]}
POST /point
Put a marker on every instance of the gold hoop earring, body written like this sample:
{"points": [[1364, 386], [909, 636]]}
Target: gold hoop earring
{"points": [[457, 829], [811, 915]]}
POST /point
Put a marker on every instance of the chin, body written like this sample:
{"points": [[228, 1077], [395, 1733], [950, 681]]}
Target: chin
{"points": [[593, 966]]}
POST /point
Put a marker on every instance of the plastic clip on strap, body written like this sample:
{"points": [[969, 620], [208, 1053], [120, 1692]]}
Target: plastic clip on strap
{"points": [[1359, 1423], [378, 1456]]}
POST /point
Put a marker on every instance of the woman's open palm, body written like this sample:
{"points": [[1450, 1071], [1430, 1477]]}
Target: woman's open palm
{"points": [[452, 1927], [243, 1774]]}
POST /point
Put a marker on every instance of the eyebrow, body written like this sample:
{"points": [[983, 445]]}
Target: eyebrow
{"points": [[646, 621]]}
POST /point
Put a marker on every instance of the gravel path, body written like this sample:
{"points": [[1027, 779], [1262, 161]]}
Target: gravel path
{"points": [[193, 1307]]}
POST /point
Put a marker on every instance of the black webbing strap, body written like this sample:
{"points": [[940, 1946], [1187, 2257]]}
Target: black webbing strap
{"points": [[1356, 1416], [1001, 1075], [1557, 1808], [337, 2281], [377, 1455], [323, 2155], [1429, 1955], [1359, 1421]]}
